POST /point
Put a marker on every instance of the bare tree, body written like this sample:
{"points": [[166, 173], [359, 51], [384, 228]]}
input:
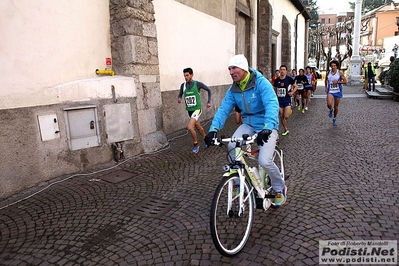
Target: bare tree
{"points": [[324, 38]]}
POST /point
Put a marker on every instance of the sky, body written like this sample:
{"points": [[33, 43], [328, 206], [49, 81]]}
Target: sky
{"points": [[333, 6]]}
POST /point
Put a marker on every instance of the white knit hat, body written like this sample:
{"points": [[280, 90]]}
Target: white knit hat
{"points": [[239, 61]]}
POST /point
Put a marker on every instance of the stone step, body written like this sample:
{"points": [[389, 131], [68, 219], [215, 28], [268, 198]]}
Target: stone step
{"points": [[383, 90], [376, 95]]}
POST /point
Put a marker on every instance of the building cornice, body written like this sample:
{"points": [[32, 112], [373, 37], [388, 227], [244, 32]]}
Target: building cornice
{"points": [[301, 8]]}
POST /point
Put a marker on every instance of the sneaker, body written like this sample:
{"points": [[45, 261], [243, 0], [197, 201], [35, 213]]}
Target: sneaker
{"points": [[303, 111], [331, 113], [281, 197], [306, 108], [299, 108], [285, 133], [334, 122], [196, 148]]}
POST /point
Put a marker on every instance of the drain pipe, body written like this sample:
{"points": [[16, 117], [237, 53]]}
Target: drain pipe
{"points": [[296, 40], [105, 72], [296, 36]]}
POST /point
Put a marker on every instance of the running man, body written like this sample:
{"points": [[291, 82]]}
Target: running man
{"points": [[285, 87], [308, 87], [294, 97], [191, 91], [293, 73], [314, 85], [276, 75], [301, 80], [333, 86]]}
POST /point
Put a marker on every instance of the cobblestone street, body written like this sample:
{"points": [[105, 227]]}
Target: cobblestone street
{"points": [[343, 185]]}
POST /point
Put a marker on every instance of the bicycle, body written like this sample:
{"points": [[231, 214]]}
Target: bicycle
{"points": [[242, 190]]}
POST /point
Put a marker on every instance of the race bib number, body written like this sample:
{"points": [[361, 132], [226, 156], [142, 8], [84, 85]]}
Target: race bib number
{"points": [[281, 92], [191, 101], [334, 88], [300, 86]]}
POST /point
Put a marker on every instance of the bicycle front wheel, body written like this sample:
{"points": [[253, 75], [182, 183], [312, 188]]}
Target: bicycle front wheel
{"points": [[230, 230]]}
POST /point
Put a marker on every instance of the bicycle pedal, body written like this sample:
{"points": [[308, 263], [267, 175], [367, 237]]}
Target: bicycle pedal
{"points": [[259, 203], [267, 203]]}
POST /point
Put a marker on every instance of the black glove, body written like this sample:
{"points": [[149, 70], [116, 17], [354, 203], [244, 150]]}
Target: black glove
{"points": [[209, 138], [263, 136]]}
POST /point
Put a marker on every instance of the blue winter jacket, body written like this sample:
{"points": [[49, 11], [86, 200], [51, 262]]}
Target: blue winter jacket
{"points": [[258, 103]]}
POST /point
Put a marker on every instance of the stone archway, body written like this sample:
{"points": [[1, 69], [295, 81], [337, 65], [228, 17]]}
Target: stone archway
{"points": [[243, 29], [265, 15], [286, 43]]}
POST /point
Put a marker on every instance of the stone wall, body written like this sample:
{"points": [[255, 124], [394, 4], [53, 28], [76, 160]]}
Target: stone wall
{"points": [[134, 50], [27, 160]]}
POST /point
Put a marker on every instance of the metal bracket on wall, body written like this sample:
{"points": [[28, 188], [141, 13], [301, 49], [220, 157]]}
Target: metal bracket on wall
{"points": [[113, 93]]}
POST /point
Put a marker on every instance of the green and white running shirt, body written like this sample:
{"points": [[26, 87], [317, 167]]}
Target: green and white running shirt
{"points": [[192, 97]]}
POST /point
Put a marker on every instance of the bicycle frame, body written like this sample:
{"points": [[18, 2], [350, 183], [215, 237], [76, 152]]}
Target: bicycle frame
{"points": [[233, 205], [242, 169]]}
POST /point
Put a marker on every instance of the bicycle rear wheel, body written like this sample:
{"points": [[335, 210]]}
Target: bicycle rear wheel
{"points": [[229, 231]]}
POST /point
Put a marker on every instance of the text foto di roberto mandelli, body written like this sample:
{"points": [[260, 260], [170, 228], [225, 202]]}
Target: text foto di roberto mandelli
{"points": [[356, 251], [347, 243]]}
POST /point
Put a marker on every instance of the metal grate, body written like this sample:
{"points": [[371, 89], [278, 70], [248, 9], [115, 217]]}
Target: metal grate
{"points": [[153, 208], [117, 176]]}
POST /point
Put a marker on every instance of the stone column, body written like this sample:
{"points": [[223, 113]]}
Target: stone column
{"points": [[356, 61], [134, 48], [265, 16]]}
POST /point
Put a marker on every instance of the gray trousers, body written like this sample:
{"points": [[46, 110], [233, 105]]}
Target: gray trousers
{"points": [[265, 155]]}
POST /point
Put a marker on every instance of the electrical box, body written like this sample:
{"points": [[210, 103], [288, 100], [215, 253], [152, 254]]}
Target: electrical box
{"points": [[48, 125], [82, 127], [118, 122]]}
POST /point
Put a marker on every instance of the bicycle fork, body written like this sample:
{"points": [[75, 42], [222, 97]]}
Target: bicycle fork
{"points": [[232, 197]]}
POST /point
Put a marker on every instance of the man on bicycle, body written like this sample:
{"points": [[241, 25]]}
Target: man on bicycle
{"points": [[253, 94]]}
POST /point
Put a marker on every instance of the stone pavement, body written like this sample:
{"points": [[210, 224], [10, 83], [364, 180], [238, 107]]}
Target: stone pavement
{"points": [[154, 209]]}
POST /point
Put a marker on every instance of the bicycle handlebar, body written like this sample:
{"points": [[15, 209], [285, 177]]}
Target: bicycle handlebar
{"points": [[245, 137]]}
